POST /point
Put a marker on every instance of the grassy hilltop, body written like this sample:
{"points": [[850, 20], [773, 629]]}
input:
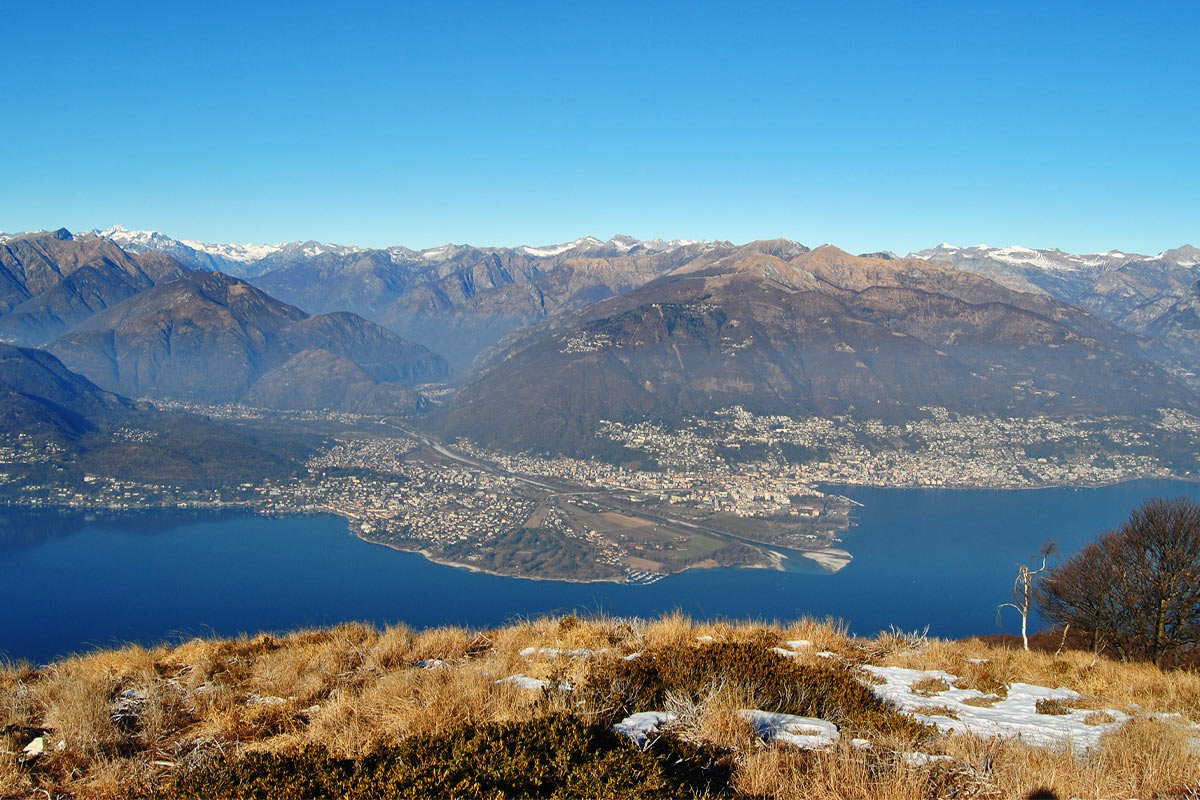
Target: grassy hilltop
{"points": [[547, 708]]}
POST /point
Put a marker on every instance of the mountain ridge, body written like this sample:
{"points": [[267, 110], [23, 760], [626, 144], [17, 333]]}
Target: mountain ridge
{"points": [[778, 328]]}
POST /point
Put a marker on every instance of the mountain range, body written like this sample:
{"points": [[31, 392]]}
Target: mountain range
{"points": [[549, 341], [778, 328], [466, 298], [1135, 291], [144, 324], [458, 298]]}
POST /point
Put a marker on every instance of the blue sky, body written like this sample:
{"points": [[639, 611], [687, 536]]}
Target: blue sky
{"points": [[868, 125]]}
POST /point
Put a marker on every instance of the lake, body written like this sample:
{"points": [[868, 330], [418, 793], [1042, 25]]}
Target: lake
{"points": [[943, 558]]}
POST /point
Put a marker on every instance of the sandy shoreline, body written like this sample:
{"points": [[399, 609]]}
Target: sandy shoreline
{"points": [[831, 559]]}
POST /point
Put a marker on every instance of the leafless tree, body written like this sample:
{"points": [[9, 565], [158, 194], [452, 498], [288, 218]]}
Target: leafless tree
{"points": [[1022, 594], [1136, 587]]}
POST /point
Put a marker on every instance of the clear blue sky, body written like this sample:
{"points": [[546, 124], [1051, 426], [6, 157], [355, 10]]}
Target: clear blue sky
{"points": [[868, 125]]}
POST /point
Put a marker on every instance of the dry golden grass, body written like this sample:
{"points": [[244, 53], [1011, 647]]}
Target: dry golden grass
{"points": [[127, 718], [929, 687], [845, 774], [1145, 758], [13, 781]]}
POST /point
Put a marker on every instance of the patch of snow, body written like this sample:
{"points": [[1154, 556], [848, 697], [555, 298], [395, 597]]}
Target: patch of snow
{"points": [[555, 652], [783, 652], [640, 726], [797, 644], [665, 246], [430, 663], [1015, 715], [1049, 259], [1025, 256], [436, 252], [244, 253], [522, 681], [558, 249], [921, 759], [808, 733], [705, 639], [631, 656], [312, 249], [828, 654]]}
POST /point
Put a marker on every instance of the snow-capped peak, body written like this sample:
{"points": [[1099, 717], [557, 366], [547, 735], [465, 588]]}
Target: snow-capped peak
{"points": [[153, 240], [622, 243], [235, 252], [557, 249], [435, 253], [1048, 259]]}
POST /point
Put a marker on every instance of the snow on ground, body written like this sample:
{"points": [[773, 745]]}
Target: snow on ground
{"points": [[804, 732], [558, 249], [431, 663], [1015, 715], [807, 733], [794, 647], [234, 252], [639, 726], [435, 252], [522, 681], [555, 652]]}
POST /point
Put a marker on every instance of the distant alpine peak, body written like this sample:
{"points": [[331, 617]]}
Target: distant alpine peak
{"points": [[220, 255], [206, 255], [1185, 256], [1052, 259], [621, 243], [582, 243], [153, 240]]}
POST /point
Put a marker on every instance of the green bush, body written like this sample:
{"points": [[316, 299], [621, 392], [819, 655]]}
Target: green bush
{"points": [[557, 756]]}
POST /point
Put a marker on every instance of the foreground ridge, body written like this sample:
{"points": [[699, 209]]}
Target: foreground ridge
{"points": [[601, 706]]}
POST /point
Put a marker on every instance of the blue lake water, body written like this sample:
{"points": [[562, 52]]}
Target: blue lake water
{"points": [[943, 558]]}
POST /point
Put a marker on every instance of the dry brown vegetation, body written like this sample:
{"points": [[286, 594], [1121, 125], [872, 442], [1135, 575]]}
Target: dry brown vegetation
{"points": [[139, 721]]}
